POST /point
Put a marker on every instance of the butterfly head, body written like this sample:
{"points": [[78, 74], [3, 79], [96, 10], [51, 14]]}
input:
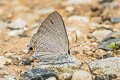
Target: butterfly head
{"points": [[29, 49], [30, 46]]}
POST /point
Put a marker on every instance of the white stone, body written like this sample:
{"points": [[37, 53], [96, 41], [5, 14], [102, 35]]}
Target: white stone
{"points": [[76, 34], [70, 8], [44, 11], [10, 77], [12, 56], [16, 32], [98, 26], [65, 76], [18, 24], [77, 2], [78, 18], [3, 25], [51, 78], [3, 61], [81, 75]]}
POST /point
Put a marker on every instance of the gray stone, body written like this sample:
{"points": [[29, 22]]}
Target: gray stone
{"points": [[106, 44], [26, 61], [106, 66], [112, 37], [115, 19], [105, 1], [101, 34], [108, 54], [65, 76], [64, 61], [106, 77], [81, 75], [18, 27], [38, 74]]}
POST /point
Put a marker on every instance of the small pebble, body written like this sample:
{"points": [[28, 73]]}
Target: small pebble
{"points": [[78, 18], [3, 25], [4, 60], [65, 76], [26, 61], [101, 34], [10, 77], [107, 55], [16, 32], [106, 77], [51, 78], [115, 20], [81, 75], [105, 1], [44, 11], [18, 24], [70, 8], [77, 2]]}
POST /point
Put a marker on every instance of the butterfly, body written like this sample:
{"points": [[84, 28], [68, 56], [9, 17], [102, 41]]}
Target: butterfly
{"points": [[51, 40]]}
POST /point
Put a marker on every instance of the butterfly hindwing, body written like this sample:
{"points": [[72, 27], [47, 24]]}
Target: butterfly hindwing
{"points": [[51, 36]]}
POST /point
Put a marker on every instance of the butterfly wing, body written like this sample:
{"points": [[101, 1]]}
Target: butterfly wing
{"points": [[51, 37]]}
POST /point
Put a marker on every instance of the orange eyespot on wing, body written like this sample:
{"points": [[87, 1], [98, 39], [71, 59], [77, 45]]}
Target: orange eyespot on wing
{"points": [[31, 49]]}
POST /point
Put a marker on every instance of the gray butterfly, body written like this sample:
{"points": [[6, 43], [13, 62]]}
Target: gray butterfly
{"points": [[51, 40]]}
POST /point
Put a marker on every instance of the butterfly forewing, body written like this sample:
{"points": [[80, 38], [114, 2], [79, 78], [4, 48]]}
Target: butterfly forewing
{"points": [[51, 36]]}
